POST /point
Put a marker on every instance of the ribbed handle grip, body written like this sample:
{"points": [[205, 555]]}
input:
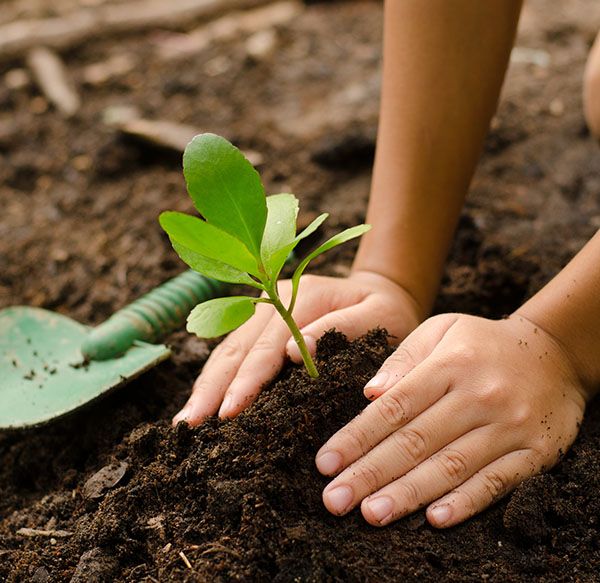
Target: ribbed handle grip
{"points": [[152, 316]]}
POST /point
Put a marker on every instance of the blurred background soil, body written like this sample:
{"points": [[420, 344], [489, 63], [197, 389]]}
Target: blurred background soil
{"points": [[90, 155]]}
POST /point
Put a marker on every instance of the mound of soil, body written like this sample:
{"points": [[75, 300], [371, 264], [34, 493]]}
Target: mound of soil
{"points": [[241, 500]]}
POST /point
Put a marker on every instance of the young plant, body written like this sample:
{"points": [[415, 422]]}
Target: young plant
{"points": [[242, 237]]}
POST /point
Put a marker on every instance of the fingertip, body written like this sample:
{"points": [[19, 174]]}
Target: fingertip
{"points": [[377, 385], [440, 516], [373, 394], [235, 404], [378, 510], [294, 352], [338, 499], [183, 415], [329, 463], [311, 343], [379, 381], [226, 409]]}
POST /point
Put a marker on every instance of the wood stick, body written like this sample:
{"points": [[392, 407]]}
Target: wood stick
{"points": [[66, 31], [51, 75], [170, 135], [185, 560], [230, 26], [43, 532]]}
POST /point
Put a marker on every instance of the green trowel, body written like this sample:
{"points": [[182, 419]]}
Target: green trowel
{"points": [[51, 365]]}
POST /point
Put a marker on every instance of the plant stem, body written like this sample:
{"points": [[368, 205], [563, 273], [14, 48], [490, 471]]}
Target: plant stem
{"points": [[291, 324]]}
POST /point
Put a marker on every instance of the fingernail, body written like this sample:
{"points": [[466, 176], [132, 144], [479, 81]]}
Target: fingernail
{"points": [[183, 415], [378, 381], [225, 409], [293, 350], [381, 508], [311, 343], [329, 462], [440, 514], [339, 499]]}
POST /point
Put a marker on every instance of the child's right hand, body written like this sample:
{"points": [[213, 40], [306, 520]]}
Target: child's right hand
{"points": [[254, 353]]}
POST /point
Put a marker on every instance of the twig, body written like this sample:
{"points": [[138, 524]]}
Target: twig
{"points": [[52, 77], [70, 29], [41, 532], [167, 134], [162, 133], [229, 27], [219, 548], [98, 73], [185, 560]]}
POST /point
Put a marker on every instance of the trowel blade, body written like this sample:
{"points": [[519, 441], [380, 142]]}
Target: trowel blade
{"points": [[42, 372]]}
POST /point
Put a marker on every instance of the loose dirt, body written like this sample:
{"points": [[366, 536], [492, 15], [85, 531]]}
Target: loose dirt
{"points": [[242, 499]]}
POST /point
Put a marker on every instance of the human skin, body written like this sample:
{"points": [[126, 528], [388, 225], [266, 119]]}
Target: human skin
{"points": [[249, 357], [591, 89], [443, 67], [426, 154], [466, 408], [470, 406]]}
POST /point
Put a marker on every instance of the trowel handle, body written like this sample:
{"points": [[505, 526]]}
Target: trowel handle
{"points": [[152, 316]]}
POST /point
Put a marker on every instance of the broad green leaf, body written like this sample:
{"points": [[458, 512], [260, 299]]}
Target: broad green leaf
{"points": [[206, 239], [217, 317], [226, 189], [279, 258], [336, 240], [213, 268], [280, 230]]}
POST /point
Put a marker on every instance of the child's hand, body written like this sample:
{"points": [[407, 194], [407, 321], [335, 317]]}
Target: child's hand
{"points": [[255, 352], [464, 410]]}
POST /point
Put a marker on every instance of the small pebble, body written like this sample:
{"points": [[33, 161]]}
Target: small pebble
{"points": [[16, 79]]}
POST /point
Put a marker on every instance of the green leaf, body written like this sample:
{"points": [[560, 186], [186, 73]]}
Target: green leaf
{"points": [[311, 228], [280, 230], [213, 268], [279, 258], [336, 240], [217, 317], [226, 189], [206, 239]]}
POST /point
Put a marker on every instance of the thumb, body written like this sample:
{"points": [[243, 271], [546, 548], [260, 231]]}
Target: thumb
{"points": [[353, 321], [415, 348]]}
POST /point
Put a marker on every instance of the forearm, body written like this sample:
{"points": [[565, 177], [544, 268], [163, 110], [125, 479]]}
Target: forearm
{"points": [[568, 308], [443, 67]]}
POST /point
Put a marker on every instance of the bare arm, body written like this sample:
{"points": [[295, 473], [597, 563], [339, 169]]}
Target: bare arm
{"points": [[568, 308], [444, 63], [458, 407], [455, 422], [443, 67]]}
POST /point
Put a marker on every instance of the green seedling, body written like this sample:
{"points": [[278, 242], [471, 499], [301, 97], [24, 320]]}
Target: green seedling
{"points": [[242, 237]]}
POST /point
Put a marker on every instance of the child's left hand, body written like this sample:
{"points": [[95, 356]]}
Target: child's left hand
{"points": [[465, 409]]}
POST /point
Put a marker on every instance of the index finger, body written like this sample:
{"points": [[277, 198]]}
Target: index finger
{"points": [[221, 368], [409, 397]]}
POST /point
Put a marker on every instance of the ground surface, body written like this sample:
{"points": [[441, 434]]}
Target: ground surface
{"points": [[78, 234]]}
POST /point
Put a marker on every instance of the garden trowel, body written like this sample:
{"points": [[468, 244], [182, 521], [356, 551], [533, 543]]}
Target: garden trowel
{"points": [[51, 365]]}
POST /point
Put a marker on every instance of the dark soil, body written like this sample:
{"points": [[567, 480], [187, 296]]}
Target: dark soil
{"points": [[78, 234], [241, 500]]}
